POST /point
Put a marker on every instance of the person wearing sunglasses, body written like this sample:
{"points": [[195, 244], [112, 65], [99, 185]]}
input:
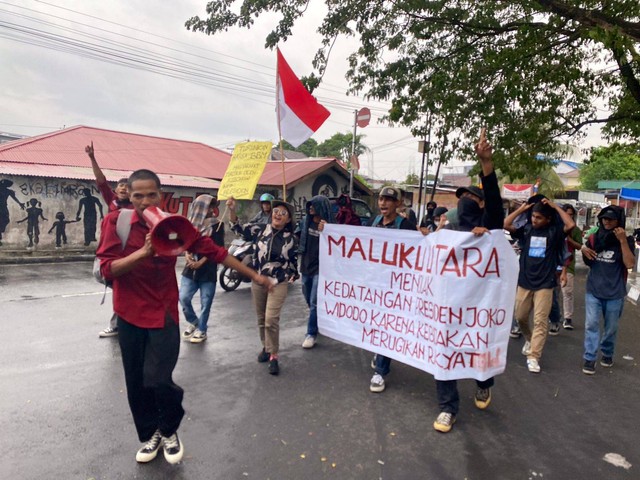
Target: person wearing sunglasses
{"points": [[275, 256]]}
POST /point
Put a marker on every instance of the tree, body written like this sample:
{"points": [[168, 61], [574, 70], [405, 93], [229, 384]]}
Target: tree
{"points": [[615, 162], [309, 148], [412, 179], [340, 145], [533, 72]]}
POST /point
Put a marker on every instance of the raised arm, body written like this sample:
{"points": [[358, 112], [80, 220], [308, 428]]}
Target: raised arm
{"points": [[508, 222], [566, 218], [484, 150], [97, 172], [628, 258]]}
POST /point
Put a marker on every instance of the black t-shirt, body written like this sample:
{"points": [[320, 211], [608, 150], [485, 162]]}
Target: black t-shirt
{"points": [[310, 264], [607, 278], [208, 271], [540, 257]]}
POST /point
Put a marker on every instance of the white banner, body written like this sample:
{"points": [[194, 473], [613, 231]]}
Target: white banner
{"points": [[441, 303]]}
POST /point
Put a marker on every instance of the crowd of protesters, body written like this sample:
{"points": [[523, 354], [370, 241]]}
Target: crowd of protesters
{"points": [[146, 292]]}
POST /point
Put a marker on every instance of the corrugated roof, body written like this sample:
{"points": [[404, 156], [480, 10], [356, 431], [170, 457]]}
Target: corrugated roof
{"points": [[86, 173], [298, 170], [118, 151]]}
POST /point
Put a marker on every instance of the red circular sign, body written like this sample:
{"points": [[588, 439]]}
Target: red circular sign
{"points": [[363, 117]]}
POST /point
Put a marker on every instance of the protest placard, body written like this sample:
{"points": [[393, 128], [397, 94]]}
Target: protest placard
{"points": [[245, 168], [442, 303]]}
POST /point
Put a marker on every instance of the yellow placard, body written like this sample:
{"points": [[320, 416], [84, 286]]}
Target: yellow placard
{"points": [[245, 168]]}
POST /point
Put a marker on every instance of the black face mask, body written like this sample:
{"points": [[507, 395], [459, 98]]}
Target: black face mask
{"points": [[469, 214]]}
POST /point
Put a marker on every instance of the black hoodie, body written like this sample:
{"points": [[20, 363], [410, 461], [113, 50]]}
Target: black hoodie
{"points": [[607, 277]]}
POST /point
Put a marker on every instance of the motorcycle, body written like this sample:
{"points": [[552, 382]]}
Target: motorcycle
{"points": [[241, 251]]}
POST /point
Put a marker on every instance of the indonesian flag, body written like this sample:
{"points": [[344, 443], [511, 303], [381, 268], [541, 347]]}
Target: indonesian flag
{"points": [[299, 113]]}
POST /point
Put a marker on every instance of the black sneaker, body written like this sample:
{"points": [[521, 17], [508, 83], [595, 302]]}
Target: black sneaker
{"points": [[263, 356], [606, 362], [150, 449], [589, 367], [173, 449], [567, 324], [273, 367], [554, 329]]}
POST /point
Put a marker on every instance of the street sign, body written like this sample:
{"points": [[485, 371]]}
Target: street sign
{"points": [[363, 118]]}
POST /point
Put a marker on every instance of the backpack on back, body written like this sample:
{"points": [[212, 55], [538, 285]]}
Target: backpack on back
{"points": [[123, 228]]}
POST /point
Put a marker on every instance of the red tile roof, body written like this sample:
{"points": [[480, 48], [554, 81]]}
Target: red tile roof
{"points": [[118, 151]]}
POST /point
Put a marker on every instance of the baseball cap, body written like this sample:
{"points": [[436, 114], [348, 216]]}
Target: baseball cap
{"points": [[608, 213], [391, 192], [472, 189]]}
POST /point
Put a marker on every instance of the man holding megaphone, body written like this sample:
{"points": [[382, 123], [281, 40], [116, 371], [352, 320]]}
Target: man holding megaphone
{"points": [[145, 298]]}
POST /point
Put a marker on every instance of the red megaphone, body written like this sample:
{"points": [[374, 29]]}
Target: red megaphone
{"points": [[170, 234]]}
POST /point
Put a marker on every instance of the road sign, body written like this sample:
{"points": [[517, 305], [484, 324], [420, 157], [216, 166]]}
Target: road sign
{"points": [[363, 118]]}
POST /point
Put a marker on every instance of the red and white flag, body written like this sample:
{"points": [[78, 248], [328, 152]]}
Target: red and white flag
{"points": [[299, 113]]}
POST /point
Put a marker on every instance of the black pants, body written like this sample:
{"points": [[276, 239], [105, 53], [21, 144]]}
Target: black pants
{"points": [[149, 356], [448, 398]]}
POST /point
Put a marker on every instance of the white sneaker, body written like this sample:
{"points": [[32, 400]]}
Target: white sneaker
{"points": [[377, 383], [198, 337], [190, 330], [108, 332], [309, 341], [526, 349], [533, 365], [173, 449], [150, 449]]}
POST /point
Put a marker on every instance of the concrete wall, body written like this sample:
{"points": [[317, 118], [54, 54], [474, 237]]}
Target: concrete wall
{"points": [[53, 195]]}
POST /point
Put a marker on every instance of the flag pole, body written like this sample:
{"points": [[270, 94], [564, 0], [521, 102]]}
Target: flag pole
{"points": [[284, 180]]}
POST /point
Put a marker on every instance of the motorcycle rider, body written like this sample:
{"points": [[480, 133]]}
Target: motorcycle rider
{"points": [[264, 215]]}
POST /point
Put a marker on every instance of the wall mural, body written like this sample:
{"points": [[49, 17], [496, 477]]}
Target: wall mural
{"points": [[90, 220], [34, 214], [5, 194], [78, 200]]}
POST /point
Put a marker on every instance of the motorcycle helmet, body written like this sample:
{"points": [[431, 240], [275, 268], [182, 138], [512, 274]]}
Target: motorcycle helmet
{"points": [[266, 197]]}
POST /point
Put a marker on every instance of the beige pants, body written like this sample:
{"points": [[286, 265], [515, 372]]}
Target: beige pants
{"points": [[567, 297], [268, 306], [540, 301]]}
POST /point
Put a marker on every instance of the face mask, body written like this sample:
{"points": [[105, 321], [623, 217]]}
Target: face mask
{"points": [[469, 214]]}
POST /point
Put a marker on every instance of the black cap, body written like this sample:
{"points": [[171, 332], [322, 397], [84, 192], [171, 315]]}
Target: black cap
{"points": [[608, 213], [472, 189]]}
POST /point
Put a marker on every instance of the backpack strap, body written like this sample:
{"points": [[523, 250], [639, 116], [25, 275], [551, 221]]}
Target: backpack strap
{"points": [[123, 225], [398, 221], [376, 221]]}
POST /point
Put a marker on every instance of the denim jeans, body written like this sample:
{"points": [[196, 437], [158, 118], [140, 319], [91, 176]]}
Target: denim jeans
{"points": [[310, 292], [597, 308], [383, 365], [188, 289]]}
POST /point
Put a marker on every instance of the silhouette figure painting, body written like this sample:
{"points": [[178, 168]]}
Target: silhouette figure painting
{"points": [[34, 214], [60, 226], [5, 194], [89, 203]]}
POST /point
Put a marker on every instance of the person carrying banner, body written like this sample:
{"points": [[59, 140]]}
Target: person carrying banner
{"points": [[609, 253], [274, 256], [389, 200], [115, 200], [145, 298], [200, 272], [318, 214], [542, 251], [479, 210]]}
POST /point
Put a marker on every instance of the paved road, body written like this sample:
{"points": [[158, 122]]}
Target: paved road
{"points": [[64, 412]]}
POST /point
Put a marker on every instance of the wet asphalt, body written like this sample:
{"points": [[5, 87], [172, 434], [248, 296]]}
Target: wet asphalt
{"points": [[64, 413]]}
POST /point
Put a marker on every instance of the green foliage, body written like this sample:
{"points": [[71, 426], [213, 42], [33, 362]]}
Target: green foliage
{"points": [[616, 162], [340, 145], [412, 179], [309, 148], [532, 72]]}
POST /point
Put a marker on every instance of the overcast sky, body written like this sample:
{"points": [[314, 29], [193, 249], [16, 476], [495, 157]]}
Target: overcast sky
{"points": [[83, 82]]}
